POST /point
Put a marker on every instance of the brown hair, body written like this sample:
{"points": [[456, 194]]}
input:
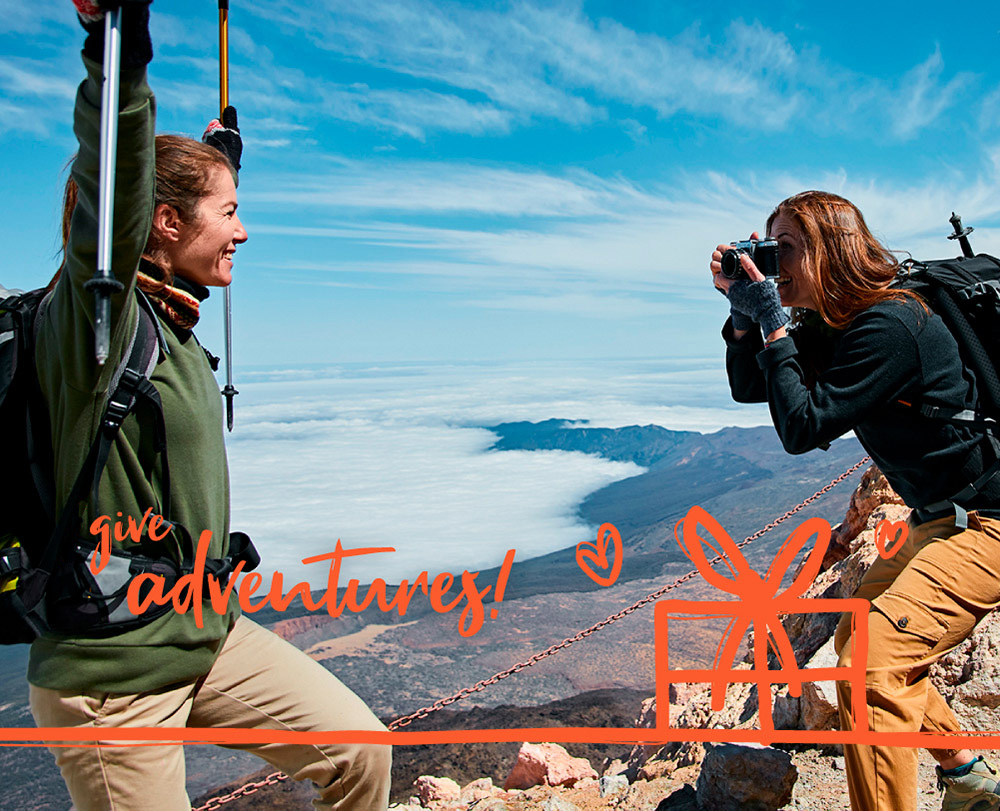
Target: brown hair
{"points": [[184, 169], [849, 267]]}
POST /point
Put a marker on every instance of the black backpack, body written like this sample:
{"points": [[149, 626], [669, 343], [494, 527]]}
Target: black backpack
{"points": [[46, 583], [965, 293]]}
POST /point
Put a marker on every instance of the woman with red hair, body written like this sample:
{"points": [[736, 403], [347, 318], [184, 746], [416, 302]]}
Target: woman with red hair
{"points": [[857, 356]]}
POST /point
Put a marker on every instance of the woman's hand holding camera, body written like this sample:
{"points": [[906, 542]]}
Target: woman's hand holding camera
{"points": [[752, 299]]}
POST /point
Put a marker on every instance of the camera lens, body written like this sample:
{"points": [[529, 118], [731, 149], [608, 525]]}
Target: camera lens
{"points": [[731, 266]]}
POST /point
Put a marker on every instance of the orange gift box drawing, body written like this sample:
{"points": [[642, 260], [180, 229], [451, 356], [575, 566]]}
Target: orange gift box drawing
{"points": [[761, 602]]}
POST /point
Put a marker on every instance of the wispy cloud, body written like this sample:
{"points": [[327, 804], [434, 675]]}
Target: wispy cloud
{"points": [[446, 67], [412, 113], [485, 52], [923, 95], [572, 242], [35, 96], [14, 117], [27, 77], [443, 187], [532, 61], [39, 18]]}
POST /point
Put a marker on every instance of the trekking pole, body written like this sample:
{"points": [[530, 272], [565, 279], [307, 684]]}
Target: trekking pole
{"points": [[229, 392], [961, 234], [103, 284]]}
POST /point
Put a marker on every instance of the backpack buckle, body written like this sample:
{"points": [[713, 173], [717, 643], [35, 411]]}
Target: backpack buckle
{"points": [[115, 414], [10, 561], [987, 289], [122, 400]]}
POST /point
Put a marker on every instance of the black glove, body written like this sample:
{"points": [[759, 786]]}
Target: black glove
{"points": [[759, 301], [137, 49], [225, 136]]}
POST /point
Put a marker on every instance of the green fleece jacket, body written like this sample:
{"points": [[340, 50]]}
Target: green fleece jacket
{"points": [[172, 648]]}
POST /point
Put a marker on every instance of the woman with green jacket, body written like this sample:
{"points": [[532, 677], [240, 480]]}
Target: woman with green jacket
{"points": [[176, 231]]}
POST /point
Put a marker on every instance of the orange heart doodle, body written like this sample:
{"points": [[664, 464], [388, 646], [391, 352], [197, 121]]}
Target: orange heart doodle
{"points": [[898, 531], [597, 553]]}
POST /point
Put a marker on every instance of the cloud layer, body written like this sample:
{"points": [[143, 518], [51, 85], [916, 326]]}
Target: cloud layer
{"points": [[395, 456]]}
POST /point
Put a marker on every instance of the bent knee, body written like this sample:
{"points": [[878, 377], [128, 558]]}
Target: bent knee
{"points": [[365, 782], [375, 760]]}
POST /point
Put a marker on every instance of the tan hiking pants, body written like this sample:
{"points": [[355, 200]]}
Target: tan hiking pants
{"points": [[926, 599], [259, 681]]}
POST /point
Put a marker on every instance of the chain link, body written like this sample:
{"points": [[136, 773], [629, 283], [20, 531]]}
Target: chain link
{"points": [[423, 712], [216, 802]]}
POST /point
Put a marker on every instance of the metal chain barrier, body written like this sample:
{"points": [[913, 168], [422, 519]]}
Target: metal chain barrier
{"points": [[423, 712]]}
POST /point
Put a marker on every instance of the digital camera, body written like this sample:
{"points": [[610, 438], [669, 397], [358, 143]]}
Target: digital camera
{"points": [[763, 252]]}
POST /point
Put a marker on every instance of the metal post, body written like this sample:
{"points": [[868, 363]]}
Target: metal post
{"points": [[103, 284], [961, 234], [229, 392]]}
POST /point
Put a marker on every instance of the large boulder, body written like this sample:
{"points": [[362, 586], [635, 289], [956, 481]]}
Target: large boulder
{"points": [[745, 777], [873, 501]]}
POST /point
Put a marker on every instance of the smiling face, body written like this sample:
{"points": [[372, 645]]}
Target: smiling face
{"points": [[201, 250], [796, 285]]}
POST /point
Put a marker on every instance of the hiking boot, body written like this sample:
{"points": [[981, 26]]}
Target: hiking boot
{"points": [[979, 790]]}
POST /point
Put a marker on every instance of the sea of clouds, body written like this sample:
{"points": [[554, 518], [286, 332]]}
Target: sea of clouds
{"points": [[398, 455]]}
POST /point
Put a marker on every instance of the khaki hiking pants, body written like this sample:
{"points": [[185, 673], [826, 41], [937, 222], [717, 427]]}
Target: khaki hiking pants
{"points": [[259, 681], [926, 599]]}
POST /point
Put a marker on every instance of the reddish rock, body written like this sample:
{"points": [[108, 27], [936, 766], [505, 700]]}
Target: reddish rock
{"points": [[655, 768], [436, 789], [547, 764], [479, 790]]}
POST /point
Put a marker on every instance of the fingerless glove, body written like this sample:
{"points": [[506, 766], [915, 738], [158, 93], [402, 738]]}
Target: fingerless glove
{"points": [[759, 301]]}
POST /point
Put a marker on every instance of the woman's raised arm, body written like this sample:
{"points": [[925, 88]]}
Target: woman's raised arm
{"points": [[66, 337]]}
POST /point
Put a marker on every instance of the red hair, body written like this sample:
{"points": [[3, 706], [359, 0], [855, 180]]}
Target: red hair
{"points": [[850, 269]]}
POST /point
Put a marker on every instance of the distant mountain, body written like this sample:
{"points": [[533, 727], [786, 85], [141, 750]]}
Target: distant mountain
{"points": [[646, 445], [742, 476]]}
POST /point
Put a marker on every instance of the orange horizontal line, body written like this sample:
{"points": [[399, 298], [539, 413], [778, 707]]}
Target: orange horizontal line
{"points": [[62, 736]]}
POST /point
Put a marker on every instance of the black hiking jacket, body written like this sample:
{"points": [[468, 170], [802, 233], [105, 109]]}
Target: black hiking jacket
{"points": [[821, 386]]}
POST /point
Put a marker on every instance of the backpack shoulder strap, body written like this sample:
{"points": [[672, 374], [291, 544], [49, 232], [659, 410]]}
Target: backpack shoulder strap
{"points": [[129, 383]]}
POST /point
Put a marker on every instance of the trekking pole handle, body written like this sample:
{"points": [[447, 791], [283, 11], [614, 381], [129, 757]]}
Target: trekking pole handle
{"points": [[961, 234], [103, 284]]}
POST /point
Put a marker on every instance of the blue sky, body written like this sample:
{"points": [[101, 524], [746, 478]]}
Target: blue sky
{"points": [[515, 180]]}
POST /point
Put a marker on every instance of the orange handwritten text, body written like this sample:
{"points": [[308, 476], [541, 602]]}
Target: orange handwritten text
{"points": [[188, 592], [761, 601], [103, 527]]}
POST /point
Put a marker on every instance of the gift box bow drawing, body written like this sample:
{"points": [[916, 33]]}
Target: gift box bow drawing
{"points": [[760, 604]]}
